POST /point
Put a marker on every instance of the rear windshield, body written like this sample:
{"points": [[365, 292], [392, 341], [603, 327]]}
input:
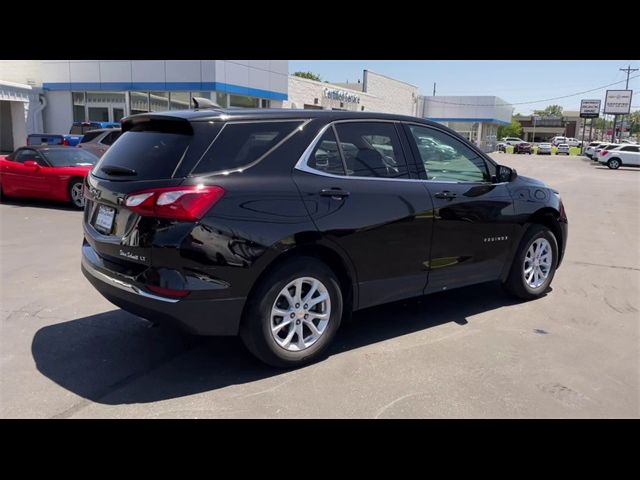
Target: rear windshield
{"points": [[67, 157], [89, 136], [240, 144], [150, 155]]}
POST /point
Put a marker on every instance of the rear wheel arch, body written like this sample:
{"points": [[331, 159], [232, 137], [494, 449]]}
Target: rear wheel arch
{"points": [[339, 265]]}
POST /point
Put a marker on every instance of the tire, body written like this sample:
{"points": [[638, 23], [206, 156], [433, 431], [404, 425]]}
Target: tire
{"points": [[516, 284], [75, 188], [614, 163], [256, 327]]}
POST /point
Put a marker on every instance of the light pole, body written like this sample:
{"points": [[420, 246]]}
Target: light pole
{"points": [[533, 135]]}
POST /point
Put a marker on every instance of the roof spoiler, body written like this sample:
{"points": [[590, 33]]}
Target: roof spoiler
{"points": [[201, 102]]}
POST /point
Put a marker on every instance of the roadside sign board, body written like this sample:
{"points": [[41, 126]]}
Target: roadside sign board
{"points": [[618, 102], [589, 108]]}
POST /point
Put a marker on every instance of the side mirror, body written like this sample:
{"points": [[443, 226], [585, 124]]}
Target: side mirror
{"points": [[505, 174], [31, 164]]}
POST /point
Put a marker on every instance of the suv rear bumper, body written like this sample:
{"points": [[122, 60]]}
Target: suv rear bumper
{"points": [[196, 316]]}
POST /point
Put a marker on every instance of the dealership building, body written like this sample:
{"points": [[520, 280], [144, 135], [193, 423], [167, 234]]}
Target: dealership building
{"points": [[374, 93], [48, 96], [476, 118], [64, 91]]}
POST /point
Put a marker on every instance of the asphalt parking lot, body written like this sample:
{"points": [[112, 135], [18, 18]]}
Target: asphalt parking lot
{"points": [[474, 352]]}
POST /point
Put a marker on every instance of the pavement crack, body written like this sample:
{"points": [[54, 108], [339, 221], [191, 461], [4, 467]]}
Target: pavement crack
{"points": [[603, 265], [393, 402]]}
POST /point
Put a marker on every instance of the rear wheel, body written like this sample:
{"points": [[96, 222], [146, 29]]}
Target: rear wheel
{"points": [[76, 192], [614, 164], [293, 314], [534, 265]]}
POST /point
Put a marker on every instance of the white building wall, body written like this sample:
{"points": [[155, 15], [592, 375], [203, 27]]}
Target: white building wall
{"points": [[466, 107], [18, 123], [391, 95], [383, 95], [58, 115], [267, 75], [27, 72]]}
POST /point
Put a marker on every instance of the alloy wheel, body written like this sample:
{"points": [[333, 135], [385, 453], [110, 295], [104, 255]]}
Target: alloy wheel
{"points": [[537, 263], [300, 314]]}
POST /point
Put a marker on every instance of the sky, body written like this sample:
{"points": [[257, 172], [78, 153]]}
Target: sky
{"points": [[515, 81]]}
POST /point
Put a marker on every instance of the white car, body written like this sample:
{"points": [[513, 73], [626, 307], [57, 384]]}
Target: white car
{"points": [[572, 142], [512, 140], [605, 147], [563, 148], [544, 149], [627, 155], [591, 149]]}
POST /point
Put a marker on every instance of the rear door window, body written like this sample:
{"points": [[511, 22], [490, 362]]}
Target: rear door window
{"points": [[241, 144], [326, 156], [372, 149]]}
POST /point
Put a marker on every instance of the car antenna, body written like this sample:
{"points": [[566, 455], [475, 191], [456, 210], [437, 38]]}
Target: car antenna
{"points": [[201, 102]]}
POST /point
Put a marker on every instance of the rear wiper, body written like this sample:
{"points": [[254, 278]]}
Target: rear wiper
{"points": [[117, 170]]}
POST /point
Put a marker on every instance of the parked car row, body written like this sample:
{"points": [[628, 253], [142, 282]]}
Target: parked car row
{"points": [[545, 148], [614, 155]]}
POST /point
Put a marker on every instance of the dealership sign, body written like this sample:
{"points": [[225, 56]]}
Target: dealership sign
{"points": [[618, 102], [589, 108], [341, 95]]}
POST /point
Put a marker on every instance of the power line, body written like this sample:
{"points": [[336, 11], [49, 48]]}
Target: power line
{"points": [[430, 99]]}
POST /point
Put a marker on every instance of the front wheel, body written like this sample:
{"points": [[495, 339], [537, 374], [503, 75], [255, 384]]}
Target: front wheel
{"points": [[613, 164], [293, 314], [534, 265], [76, 192]]}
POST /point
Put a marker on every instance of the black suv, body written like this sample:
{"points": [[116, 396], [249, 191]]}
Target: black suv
{"points": [[276, 224]]}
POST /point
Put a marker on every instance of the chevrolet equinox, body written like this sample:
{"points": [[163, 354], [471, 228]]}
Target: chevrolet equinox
{"points": [[276, 224]]}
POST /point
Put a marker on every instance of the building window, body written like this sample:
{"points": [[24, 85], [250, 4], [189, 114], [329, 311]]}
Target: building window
{"points": [[98, 114], [222, 99], [362, 108], [118, 114], [243, 101], [79, 103], [315, 101], [265, 103], [159, 101], [139, 102], [179, 100]]}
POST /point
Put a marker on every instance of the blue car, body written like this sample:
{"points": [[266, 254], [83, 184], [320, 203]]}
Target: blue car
{"points": [[73, 138]]}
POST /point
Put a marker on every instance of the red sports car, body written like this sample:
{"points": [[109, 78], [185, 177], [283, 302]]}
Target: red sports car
{"points": [[47, 172]]}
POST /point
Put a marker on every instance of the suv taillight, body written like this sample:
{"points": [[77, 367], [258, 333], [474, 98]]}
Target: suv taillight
{"points": [[605, 153], [65, 142], [187, 203]]}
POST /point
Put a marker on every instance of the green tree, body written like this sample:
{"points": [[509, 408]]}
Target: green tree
{"points": [[550, 111], [634, 122], [308, 75], [513, 130]]}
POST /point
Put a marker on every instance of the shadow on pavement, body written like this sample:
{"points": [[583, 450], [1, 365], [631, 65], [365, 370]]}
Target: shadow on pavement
{"points": [[116, 358], [36, 203], [623, 168]]}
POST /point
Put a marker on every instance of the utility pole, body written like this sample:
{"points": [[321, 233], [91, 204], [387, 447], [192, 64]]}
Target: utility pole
{"points": [[628, 71], [434, 89]]}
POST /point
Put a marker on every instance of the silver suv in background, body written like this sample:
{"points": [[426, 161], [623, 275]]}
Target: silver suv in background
{"points": [[98, 141]]}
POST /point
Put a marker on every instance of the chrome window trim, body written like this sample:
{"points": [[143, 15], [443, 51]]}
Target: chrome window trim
{"points": [[302, 166], [302, 123], [127, 287]]}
